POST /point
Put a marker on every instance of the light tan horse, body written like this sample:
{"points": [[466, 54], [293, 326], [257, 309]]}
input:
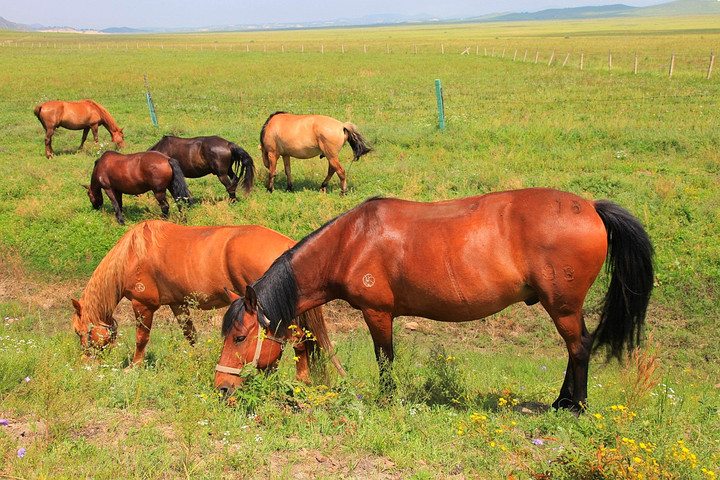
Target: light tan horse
{"points": [[84, 115], [160, 263], [307, 136]]}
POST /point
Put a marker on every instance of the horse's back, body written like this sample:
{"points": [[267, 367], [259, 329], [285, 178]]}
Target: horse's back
{"points": [[302, 136]]}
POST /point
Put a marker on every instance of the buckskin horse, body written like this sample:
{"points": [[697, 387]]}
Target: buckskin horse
{"points": [[159, 263], [306, 136], [134, 174], [200, 156], [84, 115], [460, 260]]}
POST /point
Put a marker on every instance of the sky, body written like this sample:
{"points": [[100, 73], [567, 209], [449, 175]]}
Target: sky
{"points": [[84, 14]]}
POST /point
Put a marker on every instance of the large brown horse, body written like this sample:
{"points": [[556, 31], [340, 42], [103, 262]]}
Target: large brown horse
{"points": [[134, 174], [85, 115], [307, 136], [200, 156], [159, 263], [460, 260]]}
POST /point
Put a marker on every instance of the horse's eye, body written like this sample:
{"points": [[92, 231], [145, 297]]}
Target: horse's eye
{"points": [[239, 338]]}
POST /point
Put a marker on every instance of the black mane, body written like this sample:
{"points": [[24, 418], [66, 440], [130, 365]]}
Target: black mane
{"points": [[262, 130]]}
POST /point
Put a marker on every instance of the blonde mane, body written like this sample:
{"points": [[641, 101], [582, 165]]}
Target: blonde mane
{"points": [[104, 290]]}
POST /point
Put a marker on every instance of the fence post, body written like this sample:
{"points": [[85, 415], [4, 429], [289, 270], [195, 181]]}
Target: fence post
{"points": [[525, 56], [552, 56], [566, 59], [537, 54], [712, 60], [672, 64], [582, 59], [609, 60], [440, 103], [503, 55], [636, 63], [515, 56], [151, 106]]}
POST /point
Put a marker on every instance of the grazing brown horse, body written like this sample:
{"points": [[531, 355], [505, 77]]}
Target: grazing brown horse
{"points": [[134, 174], [307, 136], [201, 156], [85, 115], [159, 263], [460, 260]]}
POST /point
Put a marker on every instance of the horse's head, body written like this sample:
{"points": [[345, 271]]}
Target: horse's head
{"points": [[118, 138], [246, 342], [96, 198], [92, 337]]}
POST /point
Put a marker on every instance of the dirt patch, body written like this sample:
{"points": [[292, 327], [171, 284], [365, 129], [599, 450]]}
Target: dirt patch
{"points": [[315, 464]]}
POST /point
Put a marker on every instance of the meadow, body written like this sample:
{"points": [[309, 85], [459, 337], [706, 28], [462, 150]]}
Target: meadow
{"points": [[470, 396]]}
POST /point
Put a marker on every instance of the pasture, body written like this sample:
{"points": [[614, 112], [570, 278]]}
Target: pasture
{"points": [[467, 404]]}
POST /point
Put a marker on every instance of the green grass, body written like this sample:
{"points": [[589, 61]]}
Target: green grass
{"points": [[649, 142]]}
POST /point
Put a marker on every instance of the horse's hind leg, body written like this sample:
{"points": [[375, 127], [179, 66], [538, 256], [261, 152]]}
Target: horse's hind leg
{"points": [[182, 315], [164, 206], [49, 153], [286, 163], [230, 186], [272, 170], [573, 393], [143, 321], [335, 167]]}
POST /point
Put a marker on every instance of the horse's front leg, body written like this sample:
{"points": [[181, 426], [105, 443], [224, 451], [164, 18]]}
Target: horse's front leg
{"points": [[86, 130], [302, 364], [182, 315], [95, 132], [286, 164], [380, 325], [272, 170], [143, 321], [116, 200]]}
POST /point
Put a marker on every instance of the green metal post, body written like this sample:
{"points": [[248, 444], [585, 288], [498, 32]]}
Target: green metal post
{"points": [[151, 106], [440, 103]]}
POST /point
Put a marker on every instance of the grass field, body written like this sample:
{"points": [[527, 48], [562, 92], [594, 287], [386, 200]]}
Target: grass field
{"points": [[467, 401]]}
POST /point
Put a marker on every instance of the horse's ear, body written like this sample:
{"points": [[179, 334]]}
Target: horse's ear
{"points": [[232, 296], [250, 299], [78, 307]]}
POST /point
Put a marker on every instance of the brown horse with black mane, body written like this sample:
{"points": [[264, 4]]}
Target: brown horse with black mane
{"points": [[460, 260], [307, 136], [200, 156], [134, 174], [84, 115], [159, 263]]}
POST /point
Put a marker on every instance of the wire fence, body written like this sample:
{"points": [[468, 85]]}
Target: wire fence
{"points": [[637, 62]]}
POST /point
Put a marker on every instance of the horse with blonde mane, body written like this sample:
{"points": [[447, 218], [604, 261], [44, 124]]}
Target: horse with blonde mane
{"points": [[84, 115], [159, 263], [307, 136]]}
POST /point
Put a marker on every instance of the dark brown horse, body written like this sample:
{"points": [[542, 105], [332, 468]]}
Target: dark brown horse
{"points": [[307, 136], [85, 115], [159, 263], [201, 156], [461, 260], [135, 174]]}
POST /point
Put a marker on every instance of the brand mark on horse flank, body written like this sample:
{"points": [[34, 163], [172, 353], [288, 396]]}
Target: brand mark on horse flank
{"points": [[548, 272], [575, 206], [368, 280], [569, 273], [140, 287]]}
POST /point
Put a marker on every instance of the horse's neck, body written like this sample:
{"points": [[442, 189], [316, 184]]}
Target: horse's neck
{"points": [[315, 272]]}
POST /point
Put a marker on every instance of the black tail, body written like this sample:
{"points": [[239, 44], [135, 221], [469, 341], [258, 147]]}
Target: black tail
{"points": [[240, 158], [358, 143], [631, 280], [178, 186]]}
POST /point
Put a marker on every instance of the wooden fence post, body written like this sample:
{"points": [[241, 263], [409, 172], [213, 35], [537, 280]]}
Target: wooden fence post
{"points": [[672, 64], [566, 59], [525, 56], [609, 60], [582, 59], [515, 56], [636, 63], [442, 49], [503, 55], [552, 56], [537, 54], [712, 60]]}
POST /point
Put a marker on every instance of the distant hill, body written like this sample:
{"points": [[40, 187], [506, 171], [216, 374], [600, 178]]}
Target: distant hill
{"points": [[8, 25], [676, 7], [566, 13]]}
